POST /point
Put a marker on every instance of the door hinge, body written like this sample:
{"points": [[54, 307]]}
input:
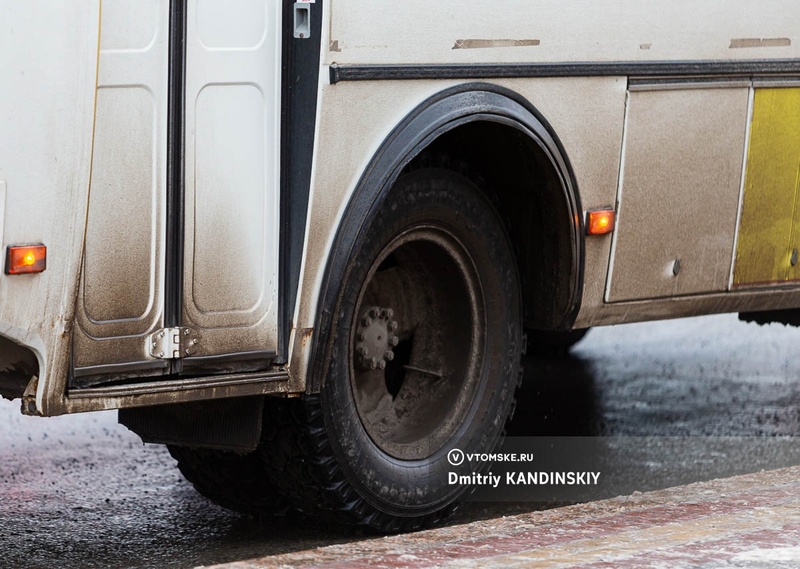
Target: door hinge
{"points": [[173, 343]]}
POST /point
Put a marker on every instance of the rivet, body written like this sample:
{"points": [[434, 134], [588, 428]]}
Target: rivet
{"points": [[794, 258], [676, 267]]}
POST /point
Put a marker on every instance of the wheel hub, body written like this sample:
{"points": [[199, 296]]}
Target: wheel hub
{"points": [[375, 338], [415, 381]]}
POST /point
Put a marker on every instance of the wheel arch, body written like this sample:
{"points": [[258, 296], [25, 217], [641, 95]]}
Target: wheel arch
{"points": [[431, 130]]}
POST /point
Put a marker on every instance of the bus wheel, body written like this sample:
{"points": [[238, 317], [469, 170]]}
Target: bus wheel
{"points": [[424, 358]]}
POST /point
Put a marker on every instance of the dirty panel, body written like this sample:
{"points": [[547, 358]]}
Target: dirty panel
{"points": [[232, 149], [230, 198], [121, 293], [767, 233], [679, 192], [119, 269]]}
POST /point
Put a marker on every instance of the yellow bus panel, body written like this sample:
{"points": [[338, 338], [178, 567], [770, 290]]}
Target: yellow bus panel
{"points": [[766, 251]]}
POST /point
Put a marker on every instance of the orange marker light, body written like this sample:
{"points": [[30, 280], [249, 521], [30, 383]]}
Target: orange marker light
{"points": [[23, 259], [600, 222]]}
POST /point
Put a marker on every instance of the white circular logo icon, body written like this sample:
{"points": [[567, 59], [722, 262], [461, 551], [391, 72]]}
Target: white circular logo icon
{"points": [[455, 457]]}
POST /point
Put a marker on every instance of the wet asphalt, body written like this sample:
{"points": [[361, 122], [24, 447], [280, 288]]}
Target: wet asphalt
{"points": [[704, 397]]}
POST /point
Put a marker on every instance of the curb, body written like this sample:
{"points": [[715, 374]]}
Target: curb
{"points": [[732, 522]]}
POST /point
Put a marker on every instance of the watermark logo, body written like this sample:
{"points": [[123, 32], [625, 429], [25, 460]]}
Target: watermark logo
{"points": [[537, 469], [455, 457]]}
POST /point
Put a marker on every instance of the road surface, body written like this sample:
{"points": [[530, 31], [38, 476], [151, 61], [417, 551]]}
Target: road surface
{"points": [[82, 491]]}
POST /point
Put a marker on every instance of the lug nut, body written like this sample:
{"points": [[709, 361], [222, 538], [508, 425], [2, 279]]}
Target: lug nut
{"points": [[393, 325], [367, 322], [388, 355], [382, 364], [373, 363], [361, 336], [364, 351], [373, 312], [394, 341]]}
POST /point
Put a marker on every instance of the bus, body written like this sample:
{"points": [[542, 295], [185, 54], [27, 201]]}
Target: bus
{"points": [[306, 244]]}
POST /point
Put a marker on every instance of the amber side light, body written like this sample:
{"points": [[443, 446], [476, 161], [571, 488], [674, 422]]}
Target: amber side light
{"points": [[600, 222], [25, 259]]}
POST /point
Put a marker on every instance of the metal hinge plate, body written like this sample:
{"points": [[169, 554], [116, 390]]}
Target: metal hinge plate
{"points": [[173, 343]]}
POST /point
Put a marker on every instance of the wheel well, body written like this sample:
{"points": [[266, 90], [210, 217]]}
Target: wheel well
{"points": [[513, 155], [528, 191], [18, 365]]}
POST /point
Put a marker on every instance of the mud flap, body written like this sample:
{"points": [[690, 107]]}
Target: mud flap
{"points": [[225, 424]]}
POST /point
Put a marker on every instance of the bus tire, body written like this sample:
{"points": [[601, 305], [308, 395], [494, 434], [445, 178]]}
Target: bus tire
{"points": [[234, 481], [425, 358], [553, 343]]}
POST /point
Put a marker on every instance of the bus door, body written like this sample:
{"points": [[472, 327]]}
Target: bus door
{"points": [[181, 256]]}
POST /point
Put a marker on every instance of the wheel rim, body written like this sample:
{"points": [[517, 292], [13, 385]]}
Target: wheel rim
{"points": [[417, 343]]}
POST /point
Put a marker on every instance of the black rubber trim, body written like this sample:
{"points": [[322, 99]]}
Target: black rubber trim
{"points": [[108, 369], [689, 81], [173, 275], [443, 112], [579, 69], [264, 355], [300, 83]]}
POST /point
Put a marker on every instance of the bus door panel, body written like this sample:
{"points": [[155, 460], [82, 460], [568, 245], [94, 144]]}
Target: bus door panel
{"points": [[120, 300], [232, 107]]}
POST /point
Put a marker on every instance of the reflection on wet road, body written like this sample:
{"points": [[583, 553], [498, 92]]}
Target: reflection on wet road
{"points": [[82, 491]]}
